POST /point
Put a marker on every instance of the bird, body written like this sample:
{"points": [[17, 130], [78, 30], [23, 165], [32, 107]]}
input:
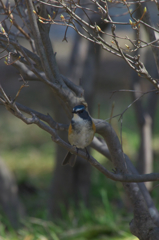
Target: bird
{"points": [[80, 133]]}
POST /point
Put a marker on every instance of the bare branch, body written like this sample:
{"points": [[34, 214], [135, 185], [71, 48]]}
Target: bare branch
{"points": [[46, 118], [102, 126]]}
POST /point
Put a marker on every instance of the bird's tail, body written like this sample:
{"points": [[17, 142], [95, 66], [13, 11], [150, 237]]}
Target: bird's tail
{"points": [[69, 159]]}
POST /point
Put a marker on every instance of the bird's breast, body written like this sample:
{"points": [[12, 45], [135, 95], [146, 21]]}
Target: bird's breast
{"points": [[81, 133]]}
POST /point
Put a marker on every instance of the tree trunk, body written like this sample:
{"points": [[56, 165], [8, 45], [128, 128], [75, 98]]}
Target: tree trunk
{"points": [[145, 119], [74, 183], [9, 200]]}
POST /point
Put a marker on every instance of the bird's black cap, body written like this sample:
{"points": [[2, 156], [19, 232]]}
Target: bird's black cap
{"points": [[78, 108]]}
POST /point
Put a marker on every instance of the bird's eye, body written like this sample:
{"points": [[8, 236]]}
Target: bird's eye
{"points": [[80, 111]]}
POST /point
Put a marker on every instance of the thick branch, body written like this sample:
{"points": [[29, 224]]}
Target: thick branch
{"points": [[14, 108], [46, 118], [48, 49], [38, 41], [142, 224]]}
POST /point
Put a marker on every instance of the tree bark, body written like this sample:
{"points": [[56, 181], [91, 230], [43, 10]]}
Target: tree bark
{"points": [[74, 183], [9, 199]]}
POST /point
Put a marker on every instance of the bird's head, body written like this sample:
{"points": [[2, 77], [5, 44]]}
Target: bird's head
{"points": [[80, 111]]}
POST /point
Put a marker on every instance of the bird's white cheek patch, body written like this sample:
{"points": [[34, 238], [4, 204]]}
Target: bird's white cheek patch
{"points": [[76, 118]]}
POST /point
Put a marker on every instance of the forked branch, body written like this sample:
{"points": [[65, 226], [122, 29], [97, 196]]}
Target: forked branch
{"points": [[46, 123]]}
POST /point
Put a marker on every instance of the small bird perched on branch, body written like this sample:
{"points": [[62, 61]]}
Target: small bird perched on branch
{"points": [[80, 133]]}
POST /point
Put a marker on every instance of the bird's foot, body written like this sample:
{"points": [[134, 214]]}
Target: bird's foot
{"points": [[87, 153], [74, 148]]}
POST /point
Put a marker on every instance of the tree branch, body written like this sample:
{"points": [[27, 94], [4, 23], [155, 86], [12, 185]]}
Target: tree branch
{"points": [[103, 126]]}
